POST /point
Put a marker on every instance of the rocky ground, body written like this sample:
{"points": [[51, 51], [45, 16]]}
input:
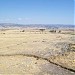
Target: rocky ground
{"points": [[32, 52]]}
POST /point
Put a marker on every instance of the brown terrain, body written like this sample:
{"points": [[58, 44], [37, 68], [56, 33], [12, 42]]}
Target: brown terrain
{"points": [[37, 52]]}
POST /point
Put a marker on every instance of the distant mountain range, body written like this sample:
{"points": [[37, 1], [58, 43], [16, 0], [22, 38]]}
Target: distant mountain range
{"points": [[48, 26]]}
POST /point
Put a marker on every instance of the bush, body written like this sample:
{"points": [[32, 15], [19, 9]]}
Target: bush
{"points": [[53, 31]]}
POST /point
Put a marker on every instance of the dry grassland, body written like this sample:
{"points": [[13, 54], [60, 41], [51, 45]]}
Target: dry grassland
{"points": [[33, 52]]}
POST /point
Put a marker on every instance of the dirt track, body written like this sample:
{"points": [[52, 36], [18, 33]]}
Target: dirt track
{"points": [[30, 64]]}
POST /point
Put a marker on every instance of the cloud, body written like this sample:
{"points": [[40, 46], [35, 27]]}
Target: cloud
{"points": [[5, 20], [19, 19], [24, 19]]}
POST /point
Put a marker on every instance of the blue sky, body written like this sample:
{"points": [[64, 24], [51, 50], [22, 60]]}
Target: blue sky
{"points": [[37, 11]]}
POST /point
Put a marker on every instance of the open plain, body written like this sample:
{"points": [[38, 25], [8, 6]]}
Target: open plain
{"points": [[37, 52]]}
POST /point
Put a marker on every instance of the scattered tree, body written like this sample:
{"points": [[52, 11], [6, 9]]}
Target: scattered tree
{"points": [[42, 30]]}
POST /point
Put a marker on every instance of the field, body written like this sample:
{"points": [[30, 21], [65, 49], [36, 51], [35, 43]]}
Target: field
{"points": [[37, 52]]}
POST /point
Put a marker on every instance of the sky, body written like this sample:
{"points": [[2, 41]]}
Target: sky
{"points": [[37, 11]]}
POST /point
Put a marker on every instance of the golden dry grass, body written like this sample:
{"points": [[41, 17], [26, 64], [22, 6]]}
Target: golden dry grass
{"points": [[33, 42]]}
